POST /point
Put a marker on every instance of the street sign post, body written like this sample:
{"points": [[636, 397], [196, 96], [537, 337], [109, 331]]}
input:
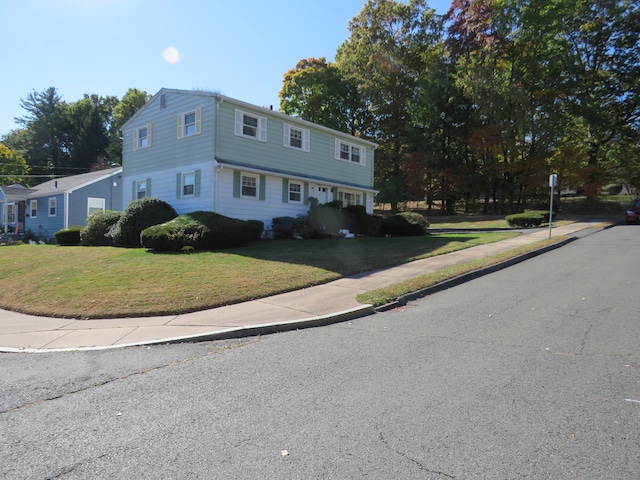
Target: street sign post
{"points": [[553, 182]]}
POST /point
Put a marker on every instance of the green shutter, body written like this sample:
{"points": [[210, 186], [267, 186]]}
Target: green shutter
{"points": [[148, 187], [305, 198], [178, 185], [197, 183], [263, 186], [285, 190], [236, 183]]}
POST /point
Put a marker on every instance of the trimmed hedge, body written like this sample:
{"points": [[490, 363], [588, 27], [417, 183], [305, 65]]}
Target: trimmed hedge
{"points": [[140, 214], [405, 224], [98, 226], [68, 236], [528, 218], [202, 231]]}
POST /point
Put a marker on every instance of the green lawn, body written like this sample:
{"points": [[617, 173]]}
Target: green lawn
{"points": [[102, 282]]}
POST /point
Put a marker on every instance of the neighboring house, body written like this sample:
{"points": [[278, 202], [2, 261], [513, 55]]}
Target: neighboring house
{"points": [[203, 151], [60, 203]]}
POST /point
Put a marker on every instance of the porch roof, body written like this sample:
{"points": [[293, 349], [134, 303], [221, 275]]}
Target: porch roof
{"points": [[14, 193]]}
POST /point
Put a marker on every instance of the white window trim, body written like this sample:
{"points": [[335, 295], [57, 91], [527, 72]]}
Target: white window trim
{"points": [[257, 180], [12, 211], [53, 202], [33, 209], [363, 152], [100, 201], [183, 184], [306, 138], [358, 195], [140, 183], [182, 126], [261, 129], [299, 192], [136, 137]]}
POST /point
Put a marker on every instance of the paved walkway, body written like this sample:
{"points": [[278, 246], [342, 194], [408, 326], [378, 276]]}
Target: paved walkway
{"points": [[314, 306]]}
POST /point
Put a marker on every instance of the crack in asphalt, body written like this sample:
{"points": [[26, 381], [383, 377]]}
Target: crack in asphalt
{"points": [[131, 375]]}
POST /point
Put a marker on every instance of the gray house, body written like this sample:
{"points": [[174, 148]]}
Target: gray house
{"points": [[60, 203], [204, 151]]}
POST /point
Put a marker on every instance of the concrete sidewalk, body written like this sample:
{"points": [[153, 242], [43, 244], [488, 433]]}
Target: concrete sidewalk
{"points": [[314, 306]]}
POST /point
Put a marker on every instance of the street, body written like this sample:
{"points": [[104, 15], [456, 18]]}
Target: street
{"points": [[530, 372]]}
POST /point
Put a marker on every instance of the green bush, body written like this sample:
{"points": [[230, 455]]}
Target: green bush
{"points": [[327, 219], [405, 224], [68, 236], [98, 226], [140, 214], [613, 189], [529, 218], [283, 227], [257, 228], [199, 230]]}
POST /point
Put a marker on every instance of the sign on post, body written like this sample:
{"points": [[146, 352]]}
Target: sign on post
{"points": [[553, 182]]}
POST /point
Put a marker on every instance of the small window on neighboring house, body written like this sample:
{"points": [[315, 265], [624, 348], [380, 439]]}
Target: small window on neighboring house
{"points": [[349, 152], [142, 137], [188, 184], [52, 207], [33, 210], [11, 213], [252, 126], [295, 192], [141, 189], [189, 124], [95, 205], [297, 138], [249, 186]]}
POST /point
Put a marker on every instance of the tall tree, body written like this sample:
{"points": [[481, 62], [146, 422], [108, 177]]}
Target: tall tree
{"points": [[45, 145], [316, 90], [383, 56], [13, 168]]}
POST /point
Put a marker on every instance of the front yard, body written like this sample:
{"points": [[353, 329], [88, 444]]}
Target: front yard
{"points": [[103, 282]]}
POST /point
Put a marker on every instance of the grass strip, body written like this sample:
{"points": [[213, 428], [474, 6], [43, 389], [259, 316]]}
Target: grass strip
{"points": [[391, 293]]}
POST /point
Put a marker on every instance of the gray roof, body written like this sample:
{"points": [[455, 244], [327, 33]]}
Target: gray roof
{"points": [[68, 184]]}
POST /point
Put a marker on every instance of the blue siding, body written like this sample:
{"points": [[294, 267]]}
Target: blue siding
{"points": [[44, 224]]}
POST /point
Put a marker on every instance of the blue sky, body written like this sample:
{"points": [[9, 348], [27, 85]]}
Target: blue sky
{"points": [[238, 48]]}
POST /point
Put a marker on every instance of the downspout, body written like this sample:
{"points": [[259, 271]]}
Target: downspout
{"points": [[66, 209], [217, 168]]}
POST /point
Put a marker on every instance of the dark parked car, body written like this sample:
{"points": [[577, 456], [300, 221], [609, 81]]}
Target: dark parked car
{"points": [[633, 211]]}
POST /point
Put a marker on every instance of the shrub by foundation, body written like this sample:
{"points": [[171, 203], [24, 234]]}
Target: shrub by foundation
{"points": [[98, 226], [68, 236], [140, 214]]}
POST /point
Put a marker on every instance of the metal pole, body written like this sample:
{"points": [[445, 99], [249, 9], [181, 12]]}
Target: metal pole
{"points": [[551, 212]]}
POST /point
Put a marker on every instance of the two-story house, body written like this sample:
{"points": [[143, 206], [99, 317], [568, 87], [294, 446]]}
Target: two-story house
{"points": [[204, 151]]}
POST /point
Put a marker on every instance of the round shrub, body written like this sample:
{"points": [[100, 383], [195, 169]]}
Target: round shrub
{"points": [[405, 224], [140, 214], [530, 218], [283, 227], [199, 230], [98, 226], [68, 236]]}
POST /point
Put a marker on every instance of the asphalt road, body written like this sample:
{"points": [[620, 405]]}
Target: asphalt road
{"points": [[531, 372]]}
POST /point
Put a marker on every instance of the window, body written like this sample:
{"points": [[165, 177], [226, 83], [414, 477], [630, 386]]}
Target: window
{"points": [[11, 213], [33, 208], [297, 138], [188, 184], [52, 207], [349, 152], [189, 124], [95, 205], [295, 192], [141, 189], [349, 198], [142, 137], [250, 126], [249, 186]]}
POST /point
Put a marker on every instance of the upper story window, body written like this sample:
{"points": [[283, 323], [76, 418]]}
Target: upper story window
{"points": [[95, 205], [250, 126], [189, 123], [33, 208], [349, 152], [298, 138], [142, 137], [53, 207]]}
